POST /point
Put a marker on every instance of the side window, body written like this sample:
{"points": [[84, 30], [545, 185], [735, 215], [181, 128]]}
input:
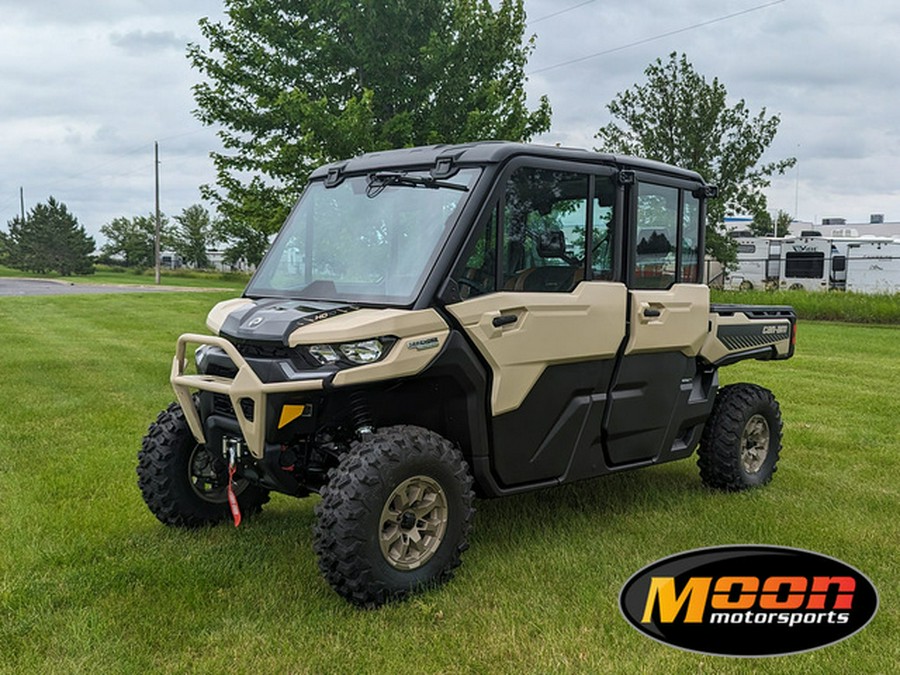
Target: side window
{"points": [[544, 226], [543, 235], [656, 236], [666, 237], [690, 239], [476, 273], [604, 229]]}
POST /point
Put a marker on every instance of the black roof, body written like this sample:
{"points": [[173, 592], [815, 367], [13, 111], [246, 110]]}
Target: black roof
{"points": [[492, 152]]}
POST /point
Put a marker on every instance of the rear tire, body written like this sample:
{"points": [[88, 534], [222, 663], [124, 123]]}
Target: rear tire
{"points": [[395, 516], [183, 482], [741, 440]]}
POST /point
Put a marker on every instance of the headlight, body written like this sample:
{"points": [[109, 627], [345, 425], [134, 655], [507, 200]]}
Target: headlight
{"points": [[324, 354], [358, 353], [367, 351]]}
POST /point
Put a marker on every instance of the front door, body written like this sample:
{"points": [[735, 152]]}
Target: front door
{"points": [[541, 305]]}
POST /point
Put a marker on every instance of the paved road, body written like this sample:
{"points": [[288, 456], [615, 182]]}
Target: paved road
{"points": [[15, 286]]}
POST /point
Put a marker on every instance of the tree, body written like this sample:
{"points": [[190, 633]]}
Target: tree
{"points": [[133, 239], [294, 85], [193, 235], [246, 245], [678, 117], [764, 226], [49, 240]]}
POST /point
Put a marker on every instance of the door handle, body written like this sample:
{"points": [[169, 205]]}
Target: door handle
{"points": [[651, 313], [504, 320]]}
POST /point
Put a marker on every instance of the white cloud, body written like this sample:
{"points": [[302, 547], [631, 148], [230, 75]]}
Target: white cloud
{"points": [[827, 69], [88, 87]]}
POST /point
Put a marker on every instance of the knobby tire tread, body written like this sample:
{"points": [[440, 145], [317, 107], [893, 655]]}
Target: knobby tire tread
{"points": [[163, 479], [340, 535], [719, 452]]}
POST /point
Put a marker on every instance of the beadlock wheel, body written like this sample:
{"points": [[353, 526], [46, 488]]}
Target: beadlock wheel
{"points": [[208, 476], [754, 444], [741, 440], [394, 517], [413, 522], [183, 483]]}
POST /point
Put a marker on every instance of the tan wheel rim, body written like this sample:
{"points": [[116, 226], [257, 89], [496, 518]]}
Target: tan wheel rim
{"points": [[754, 444], [413, 522]]}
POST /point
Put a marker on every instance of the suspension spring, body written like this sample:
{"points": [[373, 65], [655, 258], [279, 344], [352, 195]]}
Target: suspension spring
{"points": [[360, 415]]}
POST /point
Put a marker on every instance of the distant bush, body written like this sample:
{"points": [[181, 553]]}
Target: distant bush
{"points": [[823, 306]]}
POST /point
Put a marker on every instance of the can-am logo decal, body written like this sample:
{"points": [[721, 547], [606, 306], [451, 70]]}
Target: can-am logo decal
{"points": [[748, 600]]}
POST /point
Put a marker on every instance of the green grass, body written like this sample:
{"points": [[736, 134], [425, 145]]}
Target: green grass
{"points": [[823, 306], [91, 582]]}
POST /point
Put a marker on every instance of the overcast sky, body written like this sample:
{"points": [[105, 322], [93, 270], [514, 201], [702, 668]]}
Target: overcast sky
{"points": [[87, 87]]}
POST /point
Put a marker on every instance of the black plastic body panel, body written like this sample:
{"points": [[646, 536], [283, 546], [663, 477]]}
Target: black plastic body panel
{"points": [[587, 419], [539, 439]]}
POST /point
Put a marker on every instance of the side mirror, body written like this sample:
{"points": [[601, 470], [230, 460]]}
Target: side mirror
{"points": [[552, 244]]}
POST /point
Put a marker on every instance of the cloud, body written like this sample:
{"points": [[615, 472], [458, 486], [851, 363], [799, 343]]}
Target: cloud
{"points": [[141, 43], [88, 87]]}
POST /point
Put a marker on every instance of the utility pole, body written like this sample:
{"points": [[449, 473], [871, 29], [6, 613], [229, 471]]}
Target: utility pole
{"points": [[156, 172], [797, 188], [22, 202]]}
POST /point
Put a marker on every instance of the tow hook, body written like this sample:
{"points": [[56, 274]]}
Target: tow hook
{"points": [[232, 449]]}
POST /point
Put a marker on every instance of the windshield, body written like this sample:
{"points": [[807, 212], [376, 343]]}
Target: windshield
{"points": [[370, 239]]}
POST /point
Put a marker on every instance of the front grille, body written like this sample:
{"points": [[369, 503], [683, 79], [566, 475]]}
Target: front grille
{"points": [[222, 406], [274, 352], [248, 408], [264, 351]]}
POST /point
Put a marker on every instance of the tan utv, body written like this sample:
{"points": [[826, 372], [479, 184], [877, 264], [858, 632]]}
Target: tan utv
{"points": [[437, 322]]}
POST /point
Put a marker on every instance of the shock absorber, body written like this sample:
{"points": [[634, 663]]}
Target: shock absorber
{"points": [[360, 415]]}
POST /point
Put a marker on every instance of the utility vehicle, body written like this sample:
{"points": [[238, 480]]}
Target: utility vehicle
{"points": [[437, 322]]}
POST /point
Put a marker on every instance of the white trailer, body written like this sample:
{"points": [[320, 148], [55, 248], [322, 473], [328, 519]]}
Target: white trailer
{"points": [[873, 266], [749, 272], [814, 263]]}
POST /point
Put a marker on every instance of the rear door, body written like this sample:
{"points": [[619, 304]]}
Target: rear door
{"points": [[668, 315]]}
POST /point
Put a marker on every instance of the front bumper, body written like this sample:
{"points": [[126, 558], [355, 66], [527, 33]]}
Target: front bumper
{"points": [[244, 386]]}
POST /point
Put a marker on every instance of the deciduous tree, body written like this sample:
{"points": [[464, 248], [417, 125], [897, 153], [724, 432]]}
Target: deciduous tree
{"points": [[679, 117], [193, 235], [295, 84], [764, 225], [133, 239]]}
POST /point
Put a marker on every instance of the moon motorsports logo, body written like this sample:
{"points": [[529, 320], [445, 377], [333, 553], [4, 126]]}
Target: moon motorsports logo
{"points": [[748, 600]]}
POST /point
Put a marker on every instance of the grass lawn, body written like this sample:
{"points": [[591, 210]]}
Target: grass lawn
{"points": [[91, 582], [823, 306]]}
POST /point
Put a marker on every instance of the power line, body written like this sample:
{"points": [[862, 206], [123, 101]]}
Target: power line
{"points": [[557, 13], [656, 37], [118, 156]]}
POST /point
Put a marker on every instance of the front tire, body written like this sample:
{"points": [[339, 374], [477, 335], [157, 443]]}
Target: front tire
{"points": [[741, 440], [395, 516], [183, 482]]}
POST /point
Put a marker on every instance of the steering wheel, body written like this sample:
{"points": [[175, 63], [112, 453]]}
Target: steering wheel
{"points": [[477, 289]]}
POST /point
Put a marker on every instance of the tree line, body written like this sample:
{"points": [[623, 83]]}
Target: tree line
{"points": [[291, 87], [50, 239]]}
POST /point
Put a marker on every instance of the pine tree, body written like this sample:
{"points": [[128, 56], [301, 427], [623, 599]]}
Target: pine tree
{"points": [[49, 240]]}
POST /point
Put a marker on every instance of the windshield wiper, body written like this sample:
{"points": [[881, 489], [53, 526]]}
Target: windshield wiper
{"points": [[379, 181]]}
